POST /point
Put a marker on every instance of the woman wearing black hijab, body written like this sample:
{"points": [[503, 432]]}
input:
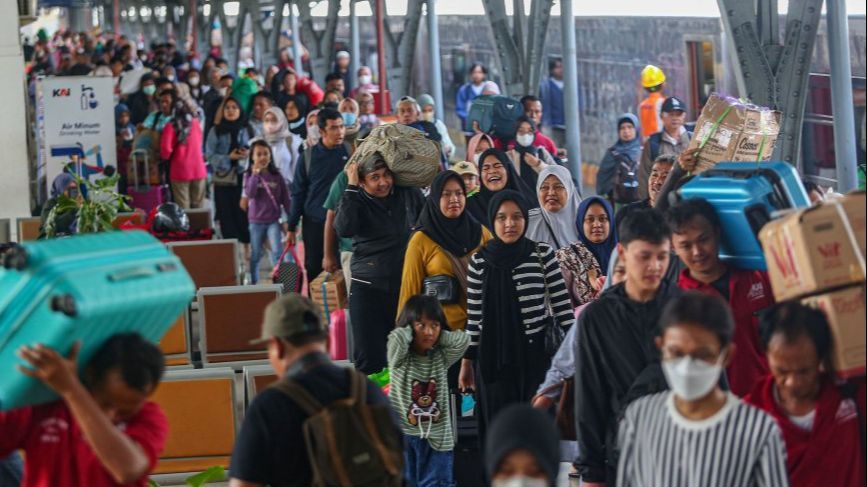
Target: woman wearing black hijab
{"points": [[226, 149], [496, 173], [515, 291], [523, 448], [441, 247]]}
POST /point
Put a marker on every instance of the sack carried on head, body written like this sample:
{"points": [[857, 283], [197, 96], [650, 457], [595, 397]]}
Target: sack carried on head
{"points": [[412, 158]]}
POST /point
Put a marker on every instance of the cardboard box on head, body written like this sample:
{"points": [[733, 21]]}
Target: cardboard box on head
{"points": [[846, 312], [730, 130], [816, 249]]}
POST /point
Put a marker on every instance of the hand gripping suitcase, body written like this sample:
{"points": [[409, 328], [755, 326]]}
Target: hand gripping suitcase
{"points": [[746, 195], [87, 288]]}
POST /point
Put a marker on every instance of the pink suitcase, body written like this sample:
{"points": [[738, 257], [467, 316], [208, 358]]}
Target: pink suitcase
{"points": [[337, 335], [144, 195]]}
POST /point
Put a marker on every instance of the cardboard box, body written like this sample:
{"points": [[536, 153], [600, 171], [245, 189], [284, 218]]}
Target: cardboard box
{"points": [[328, 291], [846, 314], [733, 131], [810, 250]]}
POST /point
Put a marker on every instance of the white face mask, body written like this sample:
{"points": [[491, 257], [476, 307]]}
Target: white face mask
{"points": [[519, 481], [193, 81], [313, 132], [476, 158], [365, 79], [427, 116], [525, 140], [691, 379], [223, 91]]}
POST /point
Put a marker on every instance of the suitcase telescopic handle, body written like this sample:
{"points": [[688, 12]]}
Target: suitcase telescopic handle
{"points": [[133, 273]]}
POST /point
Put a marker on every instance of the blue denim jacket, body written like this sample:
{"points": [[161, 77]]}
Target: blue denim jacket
{"points": [[217, 149]]}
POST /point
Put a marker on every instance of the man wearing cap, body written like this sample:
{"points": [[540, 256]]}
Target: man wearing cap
{"points": [[672, 139], [650, 109], [470, 174], [270, 449]]}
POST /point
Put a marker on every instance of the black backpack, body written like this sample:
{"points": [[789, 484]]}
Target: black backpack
{"points": [[625, 188], [496, 115]]}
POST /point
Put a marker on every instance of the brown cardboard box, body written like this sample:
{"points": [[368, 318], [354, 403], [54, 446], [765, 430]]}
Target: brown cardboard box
{"points": [[810, 250], [328, 291], [855, 205], [846, 314], [733, 131]]}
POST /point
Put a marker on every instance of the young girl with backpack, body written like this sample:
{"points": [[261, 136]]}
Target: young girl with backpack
{"points": [[420, 351], [267, 194]]}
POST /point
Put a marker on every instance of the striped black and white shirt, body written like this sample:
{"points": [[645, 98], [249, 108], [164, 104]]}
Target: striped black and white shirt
{"points": [[530, 281], [738, 446]]}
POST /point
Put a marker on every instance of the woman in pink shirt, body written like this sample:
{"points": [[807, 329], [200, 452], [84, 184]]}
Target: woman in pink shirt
{"points": [[181, 145]]}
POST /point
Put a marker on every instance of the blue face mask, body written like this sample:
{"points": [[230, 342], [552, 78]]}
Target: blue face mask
{"points": [[349, 118]]}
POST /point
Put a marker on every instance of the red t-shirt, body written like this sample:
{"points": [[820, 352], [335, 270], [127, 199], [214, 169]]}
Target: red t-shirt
{"points": [[749, 293], [57, 453], [830, 453], [546, 143]]}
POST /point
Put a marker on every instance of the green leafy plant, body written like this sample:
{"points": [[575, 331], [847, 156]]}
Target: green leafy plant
{"points": [[95, 213], [213, 474]]}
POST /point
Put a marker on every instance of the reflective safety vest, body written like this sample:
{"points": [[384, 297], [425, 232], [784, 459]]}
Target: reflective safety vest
{"points": [[648, 114]]}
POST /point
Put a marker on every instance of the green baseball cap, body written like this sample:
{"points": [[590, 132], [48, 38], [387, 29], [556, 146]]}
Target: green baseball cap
{"points": [[288, 316]]}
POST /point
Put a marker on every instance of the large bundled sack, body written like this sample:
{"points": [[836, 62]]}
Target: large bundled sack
{"points": [[733, 130], [496, 115], [413, 158]]}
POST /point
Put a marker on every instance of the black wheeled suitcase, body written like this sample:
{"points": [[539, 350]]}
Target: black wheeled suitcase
{"points": [[468, 460]]}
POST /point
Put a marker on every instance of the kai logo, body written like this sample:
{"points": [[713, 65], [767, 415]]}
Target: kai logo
{"points": [[829, 250], [61, 92]]}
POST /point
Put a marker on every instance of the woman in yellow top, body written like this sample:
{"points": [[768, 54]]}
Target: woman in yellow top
{"points": [[438, 253]]}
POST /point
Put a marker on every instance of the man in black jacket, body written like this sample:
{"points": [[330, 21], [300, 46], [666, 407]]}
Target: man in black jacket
{"points": [[615, 358], [313, 178]]}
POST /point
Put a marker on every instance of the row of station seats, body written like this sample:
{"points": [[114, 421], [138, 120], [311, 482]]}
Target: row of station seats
{"points": [[28, 227], [212, 370], [205, 408]]}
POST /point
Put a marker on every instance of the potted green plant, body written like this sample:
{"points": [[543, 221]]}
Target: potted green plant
{"points": [[94, 213]]}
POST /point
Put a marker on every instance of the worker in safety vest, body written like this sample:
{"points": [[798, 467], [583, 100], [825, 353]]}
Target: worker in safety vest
{"points": [[653, 80]]}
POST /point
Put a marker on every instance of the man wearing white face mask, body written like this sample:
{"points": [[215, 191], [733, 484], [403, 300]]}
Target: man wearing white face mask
{"points": [[698, 434]]}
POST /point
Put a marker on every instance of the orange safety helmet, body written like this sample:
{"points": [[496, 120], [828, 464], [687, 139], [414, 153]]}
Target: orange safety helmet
{"points": [[652, 76]]}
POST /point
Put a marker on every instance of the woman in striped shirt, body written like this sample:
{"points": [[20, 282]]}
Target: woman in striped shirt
{"points": [[515, 290]]}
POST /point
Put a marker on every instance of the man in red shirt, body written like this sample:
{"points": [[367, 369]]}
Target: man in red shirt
{"points": [[103, 431], [696, 232], [533, 110], [820, 417]]}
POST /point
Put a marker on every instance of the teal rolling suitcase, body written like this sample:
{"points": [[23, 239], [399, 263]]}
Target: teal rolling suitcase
{"points": [[86, 288]]}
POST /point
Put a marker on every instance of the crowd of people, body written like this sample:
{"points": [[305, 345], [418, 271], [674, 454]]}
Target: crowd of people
{"points": [[499, 280]]}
